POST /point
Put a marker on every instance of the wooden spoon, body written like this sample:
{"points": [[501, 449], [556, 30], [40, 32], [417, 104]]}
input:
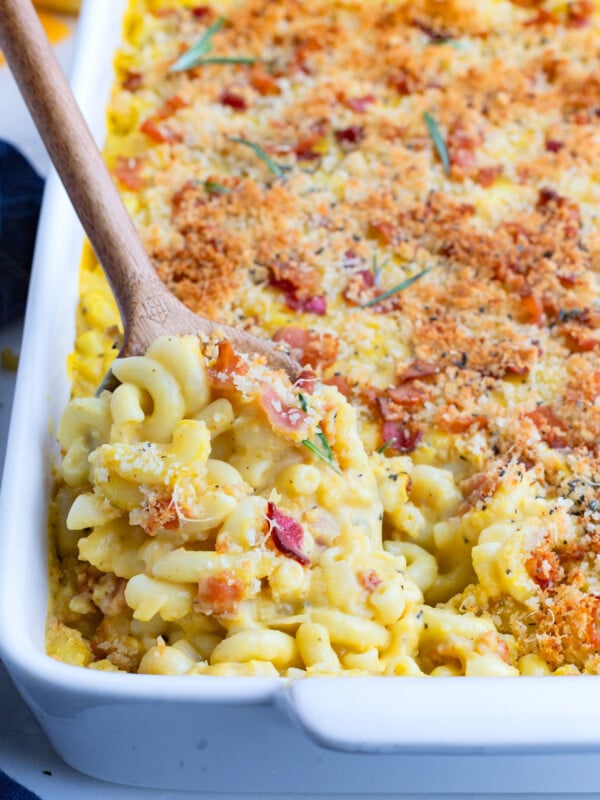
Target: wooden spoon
{"points": [[148, 309]]}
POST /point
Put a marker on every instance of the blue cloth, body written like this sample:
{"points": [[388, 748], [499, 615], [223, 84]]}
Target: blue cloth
{"points": [[11, 790], [20, 198]]}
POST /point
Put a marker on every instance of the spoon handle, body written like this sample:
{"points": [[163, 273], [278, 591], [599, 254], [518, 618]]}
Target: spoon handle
{"points": [[75, 155], [147, 307]]}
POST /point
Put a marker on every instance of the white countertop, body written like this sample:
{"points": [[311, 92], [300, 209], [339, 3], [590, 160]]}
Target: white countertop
{"points": [[24, 751]]}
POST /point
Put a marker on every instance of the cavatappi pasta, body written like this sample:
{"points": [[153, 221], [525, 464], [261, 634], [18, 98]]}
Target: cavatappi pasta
{"points": [[406, 194]]}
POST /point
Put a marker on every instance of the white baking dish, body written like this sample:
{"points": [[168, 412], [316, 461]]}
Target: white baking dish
{"points": [[240, 734]]}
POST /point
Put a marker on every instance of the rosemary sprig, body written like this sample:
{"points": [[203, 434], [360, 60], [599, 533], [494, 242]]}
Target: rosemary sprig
{"points": [[326, 448], [395, 289], [216, 188], [438, 141], [275, 168], [189, 59], [326, 456], [226, 60], [385, 446], [377, 268]]}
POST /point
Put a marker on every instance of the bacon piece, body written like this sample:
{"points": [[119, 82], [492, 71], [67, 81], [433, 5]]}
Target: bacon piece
{"points": [[309, 347], [533, 309], [341, 383], [360, 104], [579, 13], [158, 513], [306, 381], [368, 579], [353, 135], [310, 305], [409, 394], [462, 143], [417, 369], [200, 12], [233, 100], [219, 594], [283, 418], [542, 17], [299, 283], [565, 210], [552, 429], [264, 83], [132, 81], [460, 425], [382, 230], [405, 82], [479, 487], [485, 176], [304, 148], [287, 534], [554, 146], [580, 340], [490, 642], [547, 196], [127, 172], [292, 277], [357, 290], [226, 365], [400, 437], [544, 567]]}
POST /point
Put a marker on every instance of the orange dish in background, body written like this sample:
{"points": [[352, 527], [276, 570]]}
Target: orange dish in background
{"points": [[56, 28], [62, 6]]}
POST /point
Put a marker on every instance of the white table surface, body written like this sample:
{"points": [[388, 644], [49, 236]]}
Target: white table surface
{"points": [[25, 754]]}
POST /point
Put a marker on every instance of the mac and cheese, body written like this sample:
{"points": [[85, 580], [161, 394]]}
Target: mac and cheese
{"points": [[406, 194]]}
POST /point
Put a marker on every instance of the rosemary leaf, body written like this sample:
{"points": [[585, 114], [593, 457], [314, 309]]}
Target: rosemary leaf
{"points": [[377, 268], [216, 188], [226, 60], [385, 446], [438, 141], [326, 448], [275, 168], [395, 289], [323, 456], [190, 58]]}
